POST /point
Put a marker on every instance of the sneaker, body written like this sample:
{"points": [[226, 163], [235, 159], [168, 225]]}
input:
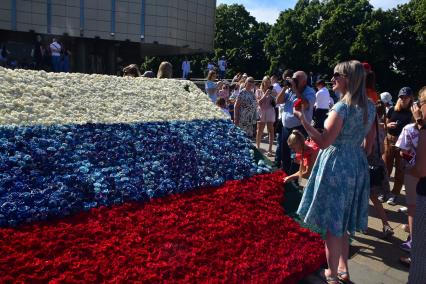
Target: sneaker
{"points": [[406, 246], [387, 231], [402, 209], [381, 198], [391, 200], [406, 260]]}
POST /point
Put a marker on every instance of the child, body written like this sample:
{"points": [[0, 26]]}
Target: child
{"points": [[306, 154], [222, 104], [224, 91]]}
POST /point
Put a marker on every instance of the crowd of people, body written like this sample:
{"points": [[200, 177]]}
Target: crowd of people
{"points": [[49, 56], [346, 142]]}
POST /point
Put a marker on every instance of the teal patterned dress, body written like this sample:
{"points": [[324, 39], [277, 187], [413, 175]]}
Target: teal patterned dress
{"points": [[336, 195]]}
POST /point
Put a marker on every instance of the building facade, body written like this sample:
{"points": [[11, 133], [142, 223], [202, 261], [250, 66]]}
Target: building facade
{"points": [[109, 30]]}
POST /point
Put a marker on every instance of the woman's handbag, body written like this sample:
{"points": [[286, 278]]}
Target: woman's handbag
{"points": [[377, 173]]}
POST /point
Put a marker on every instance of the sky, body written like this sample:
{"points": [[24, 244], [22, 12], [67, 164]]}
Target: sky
{"points": [[268, 10]]}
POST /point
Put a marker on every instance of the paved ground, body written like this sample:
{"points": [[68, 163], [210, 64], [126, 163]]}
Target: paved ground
{"points": [[374, 260]]}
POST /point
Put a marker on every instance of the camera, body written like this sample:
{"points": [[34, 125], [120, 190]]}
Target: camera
{"points": [[270, 88], [287, 83]]}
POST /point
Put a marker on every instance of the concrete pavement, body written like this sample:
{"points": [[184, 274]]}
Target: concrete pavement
{"points": [[373, 260]]}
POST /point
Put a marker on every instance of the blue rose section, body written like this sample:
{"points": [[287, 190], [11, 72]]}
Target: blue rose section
{"points": [[53, 171]]}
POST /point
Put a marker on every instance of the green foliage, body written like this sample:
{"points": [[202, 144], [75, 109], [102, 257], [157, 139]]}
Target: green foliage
{"points": [[241, 40], [316, 35]]}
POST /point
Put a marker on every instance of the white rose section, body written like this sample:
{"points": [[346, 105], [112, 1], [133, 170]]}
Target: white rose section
{"points": [[71, 142]]}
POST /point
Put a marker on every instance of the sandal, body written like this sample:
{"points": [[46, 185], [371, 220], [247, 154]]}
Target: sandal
{"points": [[343, 276], [329, 279]]}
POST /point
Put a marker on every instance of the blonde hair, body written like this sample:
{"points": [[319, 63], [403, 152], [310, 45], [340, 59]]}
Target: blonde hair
{"points": [[356, 93], [422, 94], [398, 105], [165, 70], [210, 75], [296, 138], [264, 80]]}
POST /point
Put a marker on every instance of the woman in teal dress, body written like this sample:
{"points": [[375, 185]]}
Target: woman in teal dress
{"points": [[336, 195]]}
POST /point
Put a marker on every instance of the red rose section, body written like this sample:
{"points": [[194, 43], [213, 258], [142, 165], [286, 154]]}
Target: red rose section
{"points": [[236, 233]]}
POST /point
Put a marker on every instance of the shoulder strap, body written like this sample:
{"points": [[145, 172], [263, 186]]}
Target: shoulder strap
{"points": [[377, 136]]}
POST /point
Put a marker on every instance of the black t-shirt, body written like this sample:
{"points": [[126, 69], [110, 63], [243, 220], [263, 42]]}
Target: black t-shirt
{"points": [[37, 51], [402, 118], [421, 187]]}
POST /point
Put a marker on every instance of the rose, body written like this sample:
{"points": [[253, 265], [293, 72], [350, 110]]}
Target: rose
{"points": [[31, 97], [298, 104]]}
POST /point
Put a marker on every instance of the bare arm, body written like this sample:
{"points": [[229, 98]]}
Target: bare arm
{"points": [[237, 106], [264, 96], [332, 127], [281, 96], [294, 176], [369, 139]]}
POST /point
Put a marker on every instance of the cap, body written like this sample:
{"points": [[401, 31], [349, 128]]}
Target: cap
{"points": [[405, 91], [386, 97], [320, 81]]}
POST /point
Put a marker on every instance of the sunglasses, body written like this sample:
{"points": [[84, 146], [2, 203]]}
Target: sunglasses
{"points": [[251, 82], [337, 75]]}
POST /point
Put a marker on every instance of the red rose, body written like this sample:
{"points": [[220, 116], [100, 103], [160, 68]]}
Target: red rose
{"points": [[298, 104], [233, 233]]}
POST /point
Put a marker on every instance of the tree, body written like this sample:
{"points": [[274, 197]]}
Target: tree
{"points": [[409, 47], [291, 42], [338, 30], [240, 38]]}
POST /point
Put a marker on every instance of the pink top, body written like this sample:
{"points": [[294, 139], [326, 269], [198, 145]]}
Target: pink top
{"points": [[265, 108]]}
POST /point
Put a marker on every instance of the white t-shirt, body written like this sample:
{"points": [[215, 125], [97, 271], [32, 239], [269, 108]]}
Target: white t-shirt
{"points": [[408, 140], [55, 49], [323, 99], [222, 65], [277, 87]]}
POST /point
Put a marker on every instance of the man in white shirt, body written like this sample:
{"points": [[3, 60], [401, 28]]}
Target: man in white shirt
{"points": [[323, 103], [222, 67], [55, 51], [186, 68], [275, 84]]}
